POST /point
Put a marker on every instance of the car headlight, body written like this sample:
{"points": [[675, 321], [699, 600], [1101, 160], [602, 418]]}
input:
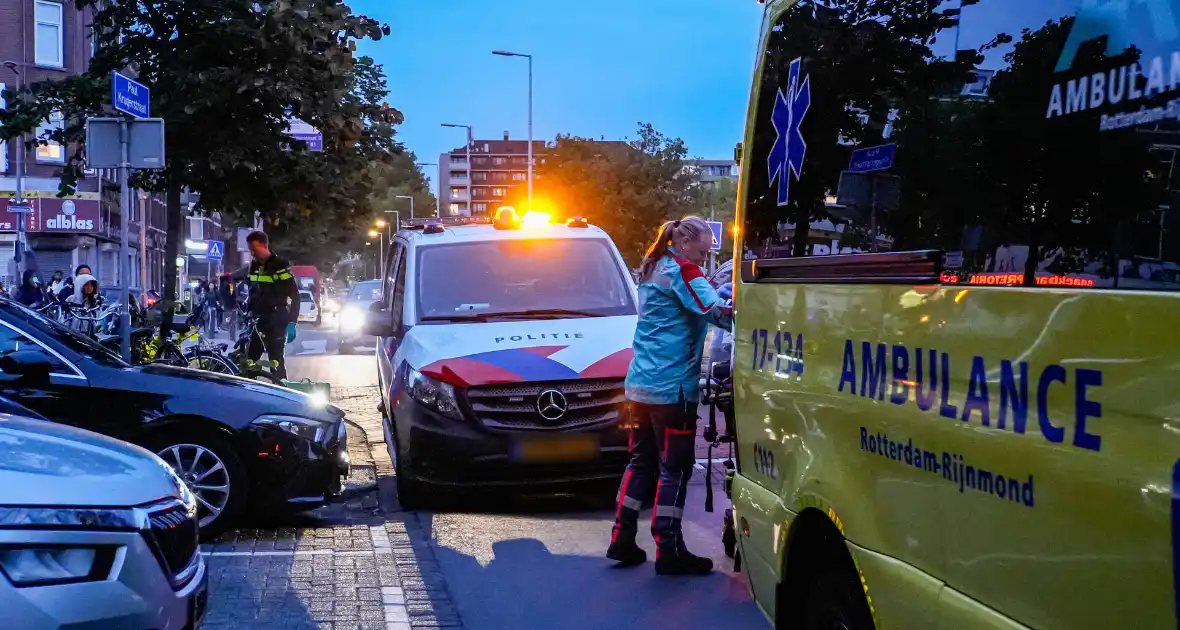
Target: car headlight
{"points": [[43, 565], [434, 394], [352, 319], [68, 518], [306, 428]]}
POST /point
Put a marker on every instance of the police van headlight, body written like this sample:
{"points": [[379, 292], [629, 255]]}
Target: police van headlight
{"points": [[434, 394]]}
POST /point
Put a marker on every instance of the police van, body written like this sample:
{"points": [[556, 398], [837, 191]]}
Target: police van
{"points": [[955, 352], [502, 350]]}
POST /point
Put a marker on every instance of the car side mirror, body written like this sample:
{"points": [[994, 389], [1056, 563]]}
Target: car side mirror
{"points": [[27, 365]]}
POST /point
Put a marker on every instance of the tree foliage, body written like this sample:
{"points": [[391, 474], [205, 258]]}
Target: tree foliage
{"points": [[626, 188], [226, 75]]}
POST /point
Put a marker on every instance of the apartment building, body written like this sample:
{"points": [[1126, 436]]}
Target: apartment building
{"points": [[45, 40], [498, 172], [712, 170]]}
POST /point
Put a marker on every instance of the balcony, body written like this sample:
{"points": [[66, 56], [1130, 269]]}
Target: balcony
{"points": [[459, 164]]}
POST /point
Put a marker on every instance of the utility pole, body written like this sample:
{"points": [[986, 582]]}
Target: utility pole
{"points": [[411, 204], [504, 53], [18, 249]]}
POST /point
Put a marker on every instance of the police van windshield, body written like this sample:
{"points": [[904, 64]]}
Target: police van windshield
{"points": [[543, 278], [1044, 156]]}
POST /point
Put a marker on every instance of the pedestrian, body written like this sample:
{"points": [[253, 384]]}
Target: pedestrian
{"points": [[29, 293], [72, 284], [676, 306], [225, 303], [85, 298], [274, 300], [56, 284]]}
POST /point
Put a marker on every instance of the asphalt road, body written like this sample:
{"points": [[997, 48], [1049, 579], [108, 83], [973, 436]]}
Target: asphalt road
{"points": [[515, 560]]}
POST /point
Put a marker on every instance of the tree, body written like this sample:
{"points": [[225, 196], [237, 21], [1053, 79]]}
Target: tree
{"points": [[627, 188], [718, 199], [226, 75]]}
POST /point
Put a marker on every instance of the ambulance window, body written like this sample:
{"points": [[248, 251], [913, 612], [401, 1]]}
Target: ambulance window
{"points": [[1046, 156]]}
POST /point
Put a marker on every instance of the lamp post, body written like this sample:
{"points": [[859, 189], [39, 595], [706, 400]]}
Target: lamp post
{"points": [[504, 53], [397, 220], [380, 251], [18, 251], [411, 203], [469, 142]]}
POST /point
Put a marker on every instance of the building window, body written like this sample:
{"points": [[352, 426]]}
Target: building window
{"points": [[48, 35], [520, 161], [479, 192], [519, 177], [500, 176], [499, 192], [454, 208], [458, 192], [498, 161], [479, 161], [479, 176], [479, 207], [51, 152]]}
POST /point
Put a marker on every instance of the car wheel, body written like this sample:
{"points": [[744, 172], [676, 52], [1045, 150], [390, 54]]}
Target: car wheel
{"points": [[213, 472], [411, 494], [836, 599]]}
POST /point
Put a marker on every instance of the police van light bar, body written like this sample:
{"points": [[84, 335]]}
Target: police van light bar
{"points": [[433, 228], [577, 222], [506, 219]]}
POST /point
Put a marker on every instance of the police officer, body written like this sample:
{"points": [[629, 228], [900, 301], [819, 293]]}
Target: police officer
{"points": [[274, 300], [676, 306]]}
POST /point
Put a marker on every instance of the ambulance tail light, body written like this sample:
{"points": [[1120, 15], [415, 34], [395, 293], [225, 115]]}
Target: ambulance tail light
{"points": [[578, 222]]}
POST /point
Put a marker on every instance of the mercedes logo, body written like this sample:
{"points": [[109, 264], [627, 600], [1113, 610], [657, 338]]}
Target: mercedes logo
{"points": [[551, 404]]}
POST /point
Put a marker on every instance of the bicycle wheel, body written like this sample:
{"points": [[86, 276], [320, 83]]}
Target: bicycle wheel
{"points": [[171, 354], [208, 361], [259, 373]]}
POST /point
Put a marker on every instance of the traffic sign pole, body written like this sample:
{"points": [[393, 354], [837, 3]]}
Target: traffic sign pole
{"points": [[124, 266]]}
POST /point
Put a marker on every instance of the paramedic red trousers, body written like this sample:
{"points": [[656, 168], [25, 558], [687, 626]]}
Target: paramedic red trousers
{"points": [[662, 444]]}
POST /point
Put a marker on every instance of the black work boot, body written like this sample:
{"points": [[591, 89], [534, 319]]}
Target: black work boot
{"points": [[682, 562], [627, 554]]}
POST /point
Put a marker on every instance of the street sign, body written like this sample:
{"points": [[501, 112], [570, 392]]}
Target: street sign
{"points": [[20, 208], [300, 130], [214, 250], [130, 97], [718, 229], [145, 143], [870, 159]]}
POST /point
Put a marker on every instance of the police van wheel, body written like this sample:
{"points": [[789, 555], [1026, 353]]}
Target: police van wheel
{"points": [[836, 601]]}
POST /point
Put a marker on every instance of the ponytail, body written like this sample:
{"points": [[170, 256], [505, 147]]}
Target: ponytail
{"points": [[657, 249]]}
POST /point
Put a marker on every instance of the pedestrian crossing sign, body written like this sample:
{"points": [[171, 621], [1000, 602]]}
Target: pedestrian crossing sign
{"points": [[214, 250], [716, 227]]}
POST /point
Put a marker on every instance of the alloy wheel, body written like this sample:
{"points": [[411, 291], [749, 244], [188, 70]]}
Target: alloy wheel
{"points": [[205, 475]]}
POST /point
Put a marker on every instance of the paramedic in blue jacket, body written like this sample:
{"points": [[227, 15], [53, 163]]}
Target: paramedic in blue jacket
{"points": [[676, 306]]}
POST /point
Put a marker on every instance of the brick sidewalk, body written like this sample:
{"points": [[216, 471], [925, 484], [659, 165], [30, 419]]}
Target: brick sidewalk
{"points": [[360, 564]]}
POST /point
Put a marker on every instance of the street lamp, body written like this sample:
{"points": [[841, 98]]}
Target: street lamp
{"points": [[380, 250], [397, 220], [504, 53], [412, 201], [469, 142]]}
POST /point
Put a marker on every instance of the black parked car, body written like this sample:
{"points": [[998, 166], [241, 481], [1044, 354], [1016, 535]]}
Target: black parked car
{"points": [[235, 442]]}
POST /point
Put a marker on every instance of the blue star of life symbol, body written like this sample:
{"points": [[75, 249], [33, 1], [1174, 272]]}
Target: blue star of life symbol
{"points": [[789, 150]]}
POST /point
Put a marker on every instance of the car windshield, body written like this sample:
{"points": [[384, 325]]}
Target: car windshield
{"points": [[306, 296], [550, 277], [37, 324], [369, 291]]}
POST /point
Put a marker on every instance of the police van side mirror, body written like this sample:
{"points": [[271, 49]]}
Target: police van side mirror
{"points": [[379, 321]]}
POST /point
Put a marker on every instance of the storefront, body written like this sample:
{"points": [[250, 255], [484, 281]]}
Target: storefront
{"points": [[60, 232]]}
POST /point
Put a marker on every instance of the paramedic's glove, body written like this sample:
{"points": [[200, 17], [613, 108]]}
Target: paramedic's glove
{"points": [[291, 330], [725, 291]]}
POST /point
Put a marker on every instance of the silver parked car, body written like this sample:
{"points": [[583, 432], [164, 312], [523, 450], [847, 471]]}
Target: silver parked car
{"points": [[353, 311], [94, 532]]}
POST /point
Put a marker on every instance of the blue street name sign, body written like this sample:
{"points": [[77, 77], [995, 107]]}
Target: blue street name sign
{"points": [[130, 97], [214, 250], [717, 228], [870, 159]]}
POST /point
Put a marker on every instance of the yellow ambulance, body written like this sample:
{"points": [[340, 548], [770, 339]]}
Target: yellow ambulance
{"points": [[956, 311]]}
